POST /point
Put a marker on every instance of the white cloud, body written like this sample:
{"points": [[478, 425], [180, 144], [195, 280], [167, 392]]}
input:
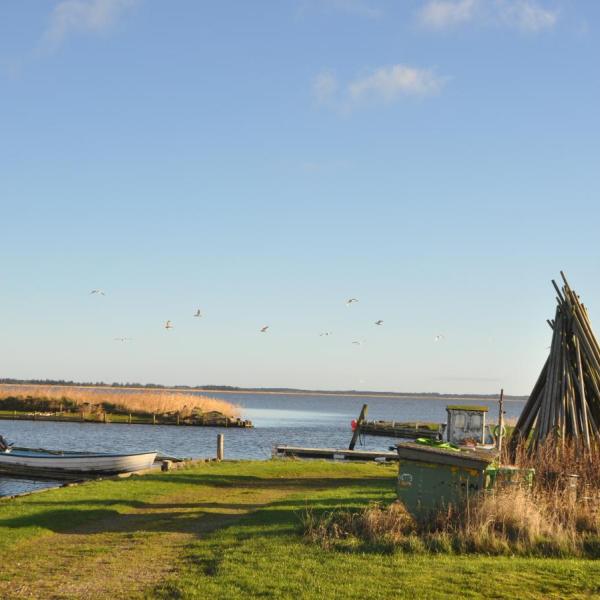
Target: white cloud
{"points": [[441, 14], [528, 16], [357, 7], [525, 15], [389, 83], [80, 16], [325, 87], [383, 85]]}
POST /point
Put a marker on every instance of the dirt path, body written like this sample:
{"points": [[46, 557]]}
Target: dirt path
{"points": [[124, 554]]}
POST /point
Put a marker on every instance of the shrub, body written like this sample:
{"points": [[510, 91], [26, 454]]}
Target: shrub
{"points": [[548, 520]]}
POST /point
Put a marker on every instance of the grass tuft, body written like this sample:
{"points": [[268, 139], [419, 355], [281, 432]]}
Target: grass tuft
{"points": [[551, 520]]}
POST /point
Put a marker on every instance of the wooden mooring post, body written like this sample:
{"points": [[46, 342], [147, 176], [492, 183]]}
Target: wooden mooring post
{"points": [[220, 446], [361, 418], [500, 423]]}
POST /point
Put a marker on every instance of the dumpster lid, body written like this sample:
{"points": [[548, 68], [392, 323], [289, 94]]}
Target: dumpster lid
{"points": [[473, 459]]}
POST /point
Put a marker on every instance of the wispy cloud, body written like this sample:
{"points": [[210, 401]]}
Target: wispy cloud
{"points": [[389, 83], [361, 8], [441, 14], [325, 87], [525, 15], [384, 85], [82, 16]]}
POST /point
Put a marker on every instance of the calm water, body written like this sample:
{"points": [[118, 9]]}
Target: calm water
{"points": [[278, 419]]}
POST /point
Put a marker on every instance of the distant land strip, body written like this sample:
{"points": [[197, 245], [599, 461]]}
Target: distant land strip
{"points": [[228, 389]]}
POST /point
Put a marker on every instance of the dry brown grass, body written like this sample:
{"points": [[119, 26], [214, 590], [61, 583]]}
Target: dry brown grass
{"points": [[551, 519], [130, 400], [554, 460]]}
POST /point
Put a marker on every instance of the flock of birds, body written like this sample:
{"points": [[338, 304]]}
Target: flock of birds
{"points": [[169, 324]]}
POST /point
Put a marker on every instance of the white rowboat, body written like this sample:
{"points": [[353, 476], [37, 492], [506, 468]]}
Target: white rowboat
{"points": [[57, 464]]}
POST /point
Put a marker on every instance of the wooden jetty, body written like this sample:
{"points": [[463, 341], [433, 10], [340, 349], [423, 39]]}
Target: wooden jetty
{"points": [[333, 454], [205, 420], [397, 429], [400, 430]]}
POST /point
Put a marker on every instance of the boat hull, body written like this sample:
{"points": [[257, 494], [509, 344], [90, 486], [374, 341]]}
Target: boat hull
{"points": [[59, 466]]}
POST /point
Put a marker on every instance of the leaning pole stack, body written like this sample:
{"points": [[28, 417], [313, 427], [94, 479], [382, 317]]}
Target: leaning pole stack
{"points": [[565, 402]]}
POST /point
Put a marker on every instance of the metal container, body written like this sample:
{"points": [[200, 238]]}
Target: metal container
{"points": [[430, 478], [509, 476]]}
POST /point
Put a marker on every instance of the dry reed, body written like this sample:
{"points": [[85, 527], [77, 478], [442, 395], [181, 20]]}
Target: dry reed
{"points": [[129, 400], [551, 519]]}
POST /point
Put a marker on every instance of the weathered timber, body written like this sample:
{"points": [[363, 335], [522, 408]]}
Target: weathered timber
{"points": [[332, 454], [400, 430], [209, 420], [565, 402], [356, 433], [220, 446]]}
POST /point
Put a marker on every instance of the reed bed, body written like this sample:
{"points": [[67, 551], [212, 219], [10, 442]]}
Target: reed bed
{"points": [[133, 401], [551, 519]]}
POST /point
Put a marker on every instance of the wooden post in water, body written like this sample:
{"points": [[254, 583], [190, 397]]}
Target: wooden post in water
{"points": [[361, 418], [153, 418], [220, 446], [500, 423]]}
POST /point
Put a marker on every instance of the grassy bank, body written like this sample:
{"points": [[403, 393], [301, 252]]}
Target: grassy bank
{"points": [[233, 530], [140, 403]]}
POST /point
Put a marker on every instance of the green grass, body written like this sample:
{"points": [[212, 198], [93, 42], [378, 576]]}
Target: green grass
{"points": [[233, 530]]}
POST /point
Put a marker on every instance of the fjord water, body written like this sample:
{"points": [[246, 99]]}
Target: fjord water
{"points": [[292, 419]]}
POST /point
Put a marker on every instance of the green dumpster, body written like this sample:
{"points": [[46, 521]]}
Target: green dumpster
{"points": [[505, 476], [430, 478]]}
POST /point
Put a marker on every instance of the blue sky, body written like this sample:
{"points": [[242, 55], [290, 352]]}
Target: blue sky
{"points": [[437, 160]]}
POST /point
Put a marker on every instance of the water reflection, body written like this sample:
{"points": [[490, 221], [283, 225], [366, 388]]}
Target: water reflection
{"points": [[322, 421]]}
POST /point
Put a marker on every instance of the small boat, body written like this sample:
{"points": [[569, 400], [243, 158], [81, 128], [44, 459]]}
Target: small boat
{"points": [[57, 464]]}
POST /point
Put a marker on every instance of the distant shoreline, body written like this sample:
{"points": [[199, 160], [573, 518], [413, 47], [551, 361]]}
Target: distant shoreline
{"points": [[267, 391]]}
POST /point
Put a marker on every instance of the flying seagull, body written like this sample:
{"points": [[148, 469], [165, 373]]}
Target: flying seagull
{"points": [[122, 339], [326, 333], [439, 337], [198, 313], [379, 322], [99, 292], [358, 342], [351, 301], [264, 329], [168, 325]]}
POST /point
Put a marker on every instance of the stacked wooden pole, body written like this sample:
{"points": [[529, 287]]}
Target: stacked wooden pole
{"points": [[565, 401]]}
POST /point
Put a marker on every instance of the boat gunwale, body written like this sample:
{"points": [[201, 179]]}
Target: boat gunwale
{"points": [[60, 455]]}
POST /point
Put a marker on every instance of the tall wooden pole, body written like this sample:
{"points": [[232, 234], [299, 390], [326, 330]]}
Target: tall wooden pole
{"points": [[361, 418], [500, 423]]}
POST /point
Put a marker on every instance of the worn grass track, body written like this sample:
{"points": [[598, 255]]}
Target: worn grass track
{"points": [[232, 530]]}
